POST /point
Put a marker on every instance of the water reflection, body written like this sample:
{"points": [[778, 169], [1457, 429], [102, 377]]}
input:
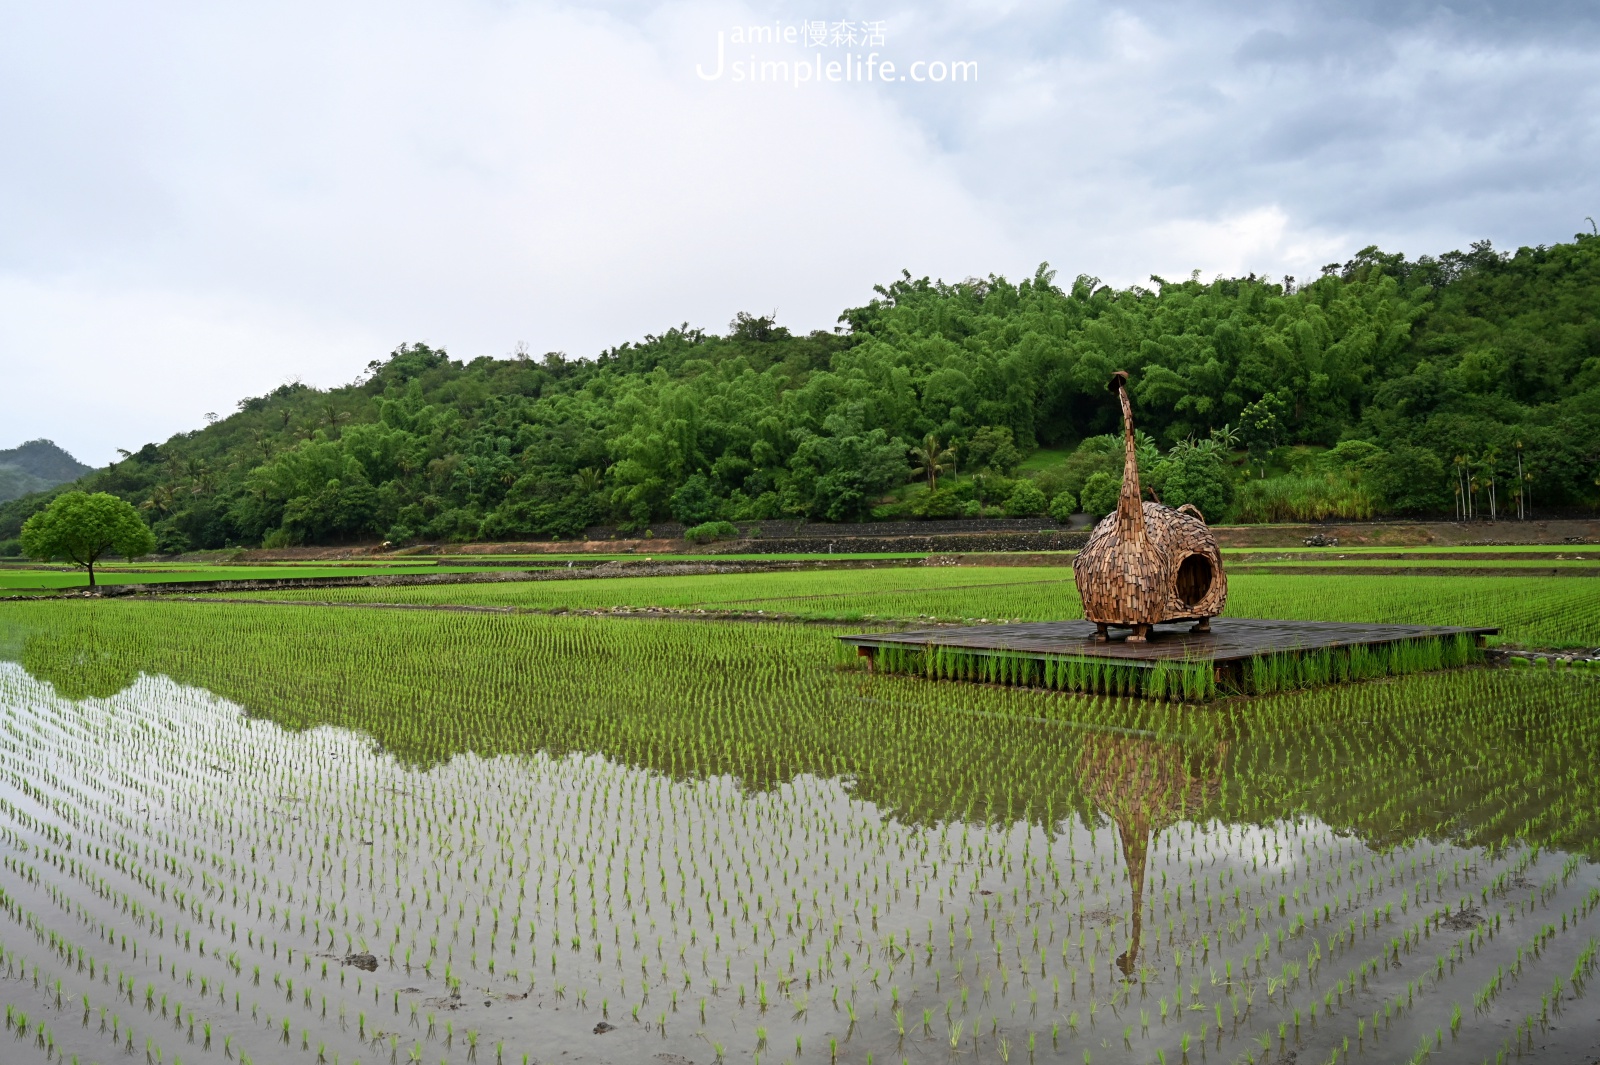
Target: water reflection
{"points": [[1462, 756], [1146, 786]]}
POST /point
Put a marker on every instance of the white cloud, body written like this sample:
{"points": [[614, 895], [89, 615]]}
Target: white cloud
{"points": [[200, 200], [1241, 244], [472, 178], [96, 370]]}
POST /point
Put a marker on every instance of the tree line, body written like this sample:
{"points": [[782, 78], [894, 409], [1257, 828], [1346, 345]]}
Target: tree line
{"points": [[1462, 384]]}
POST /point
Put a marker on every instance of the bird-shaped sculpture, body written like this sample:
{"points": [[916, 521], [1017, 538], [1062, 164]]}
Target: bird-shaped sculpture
{"points": [[1148, 563]]}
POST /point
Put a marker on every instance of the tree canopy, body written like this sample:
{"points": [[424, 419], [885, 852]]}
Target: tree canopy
{"points": [[1467, 373], [80, 528]]}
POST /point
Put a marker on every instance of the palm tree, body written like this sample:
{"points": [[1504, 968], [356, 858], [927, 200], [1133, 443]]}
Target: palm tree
{"points": [[162, 500], [199, 475], [334, 416], [931, 457]]}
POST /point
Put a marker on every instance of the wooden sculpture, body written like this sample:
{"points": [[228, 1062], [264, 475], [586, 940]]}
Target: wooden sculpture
{"points": [[1148, 563]]}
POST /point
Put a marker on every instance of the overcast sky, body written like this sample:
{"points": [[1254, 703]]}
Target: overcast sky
{"points": [[199, 202]]}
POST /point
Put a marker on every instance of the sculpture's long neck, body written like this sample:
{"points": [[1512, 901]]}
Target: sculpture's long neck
{"points": [[1130, 512]]}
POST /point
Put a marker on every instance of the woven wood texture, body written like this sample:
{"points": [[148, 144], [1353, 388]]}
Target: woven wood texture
{"points": [[1148, 563]]}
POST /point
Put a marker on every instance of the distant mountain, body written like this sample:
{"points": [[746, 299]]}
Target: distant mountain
{"points": [[35, 466]]}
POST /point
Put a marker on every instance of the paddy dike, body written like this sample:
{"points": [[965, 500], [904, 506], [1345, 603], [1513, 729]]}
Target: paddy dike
{"points": [[573, 570]]}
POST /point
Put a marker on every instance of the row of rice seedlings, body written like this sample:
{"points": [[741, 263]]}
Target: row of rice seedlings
{"points": [[1533, 611], [752, 803], [1339, 665], [1181, 680]]}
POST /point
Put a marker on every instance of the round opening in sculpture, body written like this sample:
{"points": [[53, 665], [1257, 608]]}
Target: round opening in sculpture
{"points": [[1194, 579]]}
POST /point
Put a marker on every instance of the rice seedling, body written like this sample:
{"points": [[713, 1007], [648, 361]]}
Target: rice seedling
{"points": [[1532, 611], [270, 819]]}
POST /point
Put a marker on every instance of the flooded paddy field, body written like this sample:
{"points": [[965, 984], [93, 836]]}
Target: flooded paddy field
{"points": [[250, 833]]}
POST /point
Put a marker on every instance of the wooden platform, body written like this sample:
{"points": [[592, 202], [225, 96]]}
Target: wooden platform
{"points": [[1230, 640]]}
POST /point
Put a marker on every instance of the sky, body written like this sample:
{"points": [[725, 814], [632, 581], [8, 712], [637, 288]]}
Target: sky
{"points": [[199, 202]]}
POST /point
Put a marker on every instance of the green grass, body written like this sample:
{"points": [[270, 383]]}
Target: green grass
{"points": [[1577, 565], [1068, 673], [51, 579], [1043, 459], [1335, 553]]}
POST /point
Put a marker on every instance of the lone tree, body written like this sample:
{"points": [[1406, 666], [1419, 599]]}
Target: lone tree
{"points": [[79, 528]]}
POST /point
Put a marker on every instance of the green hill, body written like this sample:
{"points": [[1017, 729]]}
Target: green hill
{"points": [[1386, 385], [35, 467]]}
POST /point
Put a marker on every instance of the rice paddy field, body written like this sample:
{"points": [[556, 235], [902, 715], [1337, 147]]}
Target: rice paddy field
{"points": [[1531, 611], [252, 832]]}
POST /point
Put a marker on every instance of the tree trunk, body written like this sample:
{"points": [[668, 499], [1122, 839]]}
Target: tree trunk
{"points": [[91, 574]]}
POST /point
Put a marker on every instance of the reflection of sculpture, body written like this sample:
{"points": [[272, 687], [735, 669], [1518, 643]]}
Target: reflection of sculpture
{"points": [[1144, 786], [1148, 563]]}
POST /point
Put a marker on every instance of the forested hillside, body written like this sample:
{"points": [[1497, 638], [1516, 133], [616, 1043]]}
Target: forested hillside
{"points": [[36, 466], [1385, 386]]}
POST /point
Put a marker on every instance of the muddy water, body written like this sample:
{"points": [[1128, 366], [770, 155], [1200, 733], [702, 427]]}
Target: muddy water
{"points": [[186, 882]]}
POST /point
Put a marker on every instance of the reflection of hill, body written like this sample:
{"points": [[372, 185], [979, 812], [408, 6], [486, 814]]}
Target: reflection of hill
{"points": [[1145, 786], [1459, 756], [78, 666]]}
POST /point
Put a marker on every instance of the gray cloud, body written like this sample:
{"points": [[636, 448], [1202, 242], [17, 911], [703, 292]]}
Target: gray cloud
{"points": [[199, 201]]}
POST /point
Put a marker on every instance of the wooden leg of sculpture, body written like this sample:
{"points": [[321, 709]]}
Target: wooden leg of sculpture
{"points": [[1203, 625], [1100, 633], [1139, 634]]}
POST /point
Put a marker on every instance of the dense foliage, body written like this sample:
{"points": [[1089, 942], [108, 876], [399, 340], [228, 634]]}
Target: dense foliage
{"points": [[1385, 386], [81, 528]]}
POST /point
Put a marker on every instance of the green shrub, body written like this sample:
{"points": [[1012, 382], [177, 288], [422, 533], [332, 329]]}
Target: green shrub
{"points": [[993, 447], [1025, 500], [711, 531], [1412, 480], [1063, 506], [947, 502], [693, 501], [1195, 475], [1100, 493]]}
